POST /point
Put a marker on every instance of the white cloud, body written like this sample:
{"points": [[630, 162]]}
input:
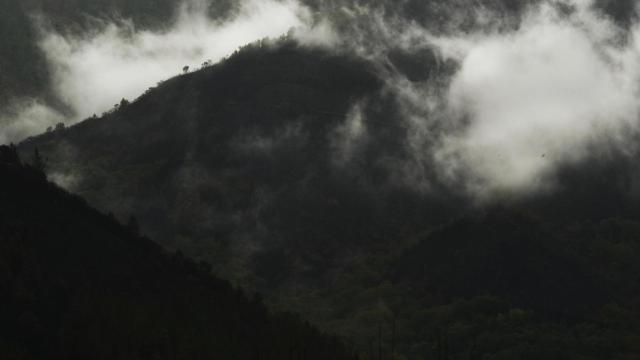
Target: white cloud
{"points": [[522, 99], [539, 96], [25, 118], [93, 72]]}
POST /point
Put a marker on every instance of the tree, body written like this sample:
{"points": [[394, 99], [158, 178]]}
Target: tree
{"points": [[133, 226], [9, 155], [185, 69], [39, 163]]}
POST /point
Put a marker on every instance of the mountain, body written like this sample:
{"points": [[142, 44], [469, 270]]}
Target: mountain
{"points": [[297, 171], [257, 165], [227, 153], [76, 284]]}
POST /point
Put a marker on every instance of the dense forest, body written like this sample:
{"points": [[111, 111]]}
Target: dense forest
{"points": [[237, 164], [76, 284], [286, 170]]}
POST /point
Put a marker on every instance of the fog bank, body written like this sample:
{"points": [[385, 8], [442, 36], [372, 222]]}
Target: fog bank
{"points": [[542, 96], [516, 100]]}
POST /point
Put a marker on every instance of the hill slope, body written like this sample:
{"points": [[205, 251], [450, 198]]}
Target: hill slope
{"points": [[76, 284]]}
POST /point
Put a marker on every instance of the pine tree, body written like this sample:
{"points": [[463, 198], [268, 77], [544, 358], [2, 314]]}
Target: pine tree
{"points": [[133, 226], [39, 163]]}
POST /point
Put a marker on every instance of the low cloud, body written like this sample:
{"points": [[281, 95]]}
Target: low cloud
{"points": [[541, 96], [24, 118], [506, 103], [92, 73], [515, 100]]}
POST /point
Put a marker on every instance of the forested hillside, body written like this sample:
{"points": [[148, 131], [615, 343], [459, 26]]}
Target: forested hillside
{"points": [[257, 170], [76, 284]]}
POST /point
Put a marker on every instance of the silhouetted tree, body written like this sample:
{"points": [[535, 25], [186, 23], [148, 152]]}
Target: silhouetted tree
{"points": [[133, 226], [9, 154], [39, 163]]}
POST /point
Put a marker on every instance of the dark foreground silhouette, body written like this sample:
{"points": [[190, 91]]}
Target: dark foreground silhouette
{"points": [[75, 284]]}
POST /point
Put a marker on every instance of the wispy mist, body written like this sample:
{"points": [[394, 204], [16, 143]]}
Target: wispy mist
{"points": [[542, 96], [93, 72], [505, 103], [26, 117], [517, 99]]}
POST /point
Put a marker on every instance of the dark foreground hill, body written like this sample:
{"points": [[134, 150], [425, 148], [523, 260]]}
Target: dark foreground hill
{"points": [[75, 284]]}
